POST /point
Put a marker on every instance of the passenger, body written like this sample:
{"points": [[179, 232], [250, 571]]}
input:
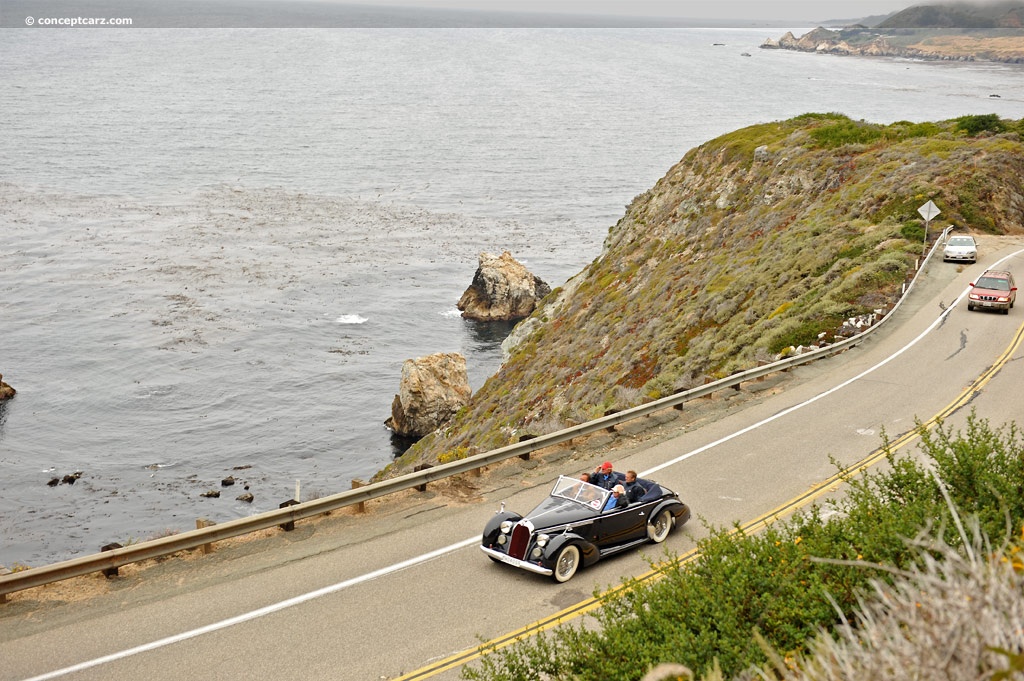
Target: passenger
{"points": [[638, 489], [617, 499], [605, 476], [635, 489]]}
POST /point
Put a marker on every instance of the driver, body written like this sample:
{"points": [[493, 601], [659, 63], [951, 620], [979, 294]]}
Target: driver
{"points": [[617, 499]]}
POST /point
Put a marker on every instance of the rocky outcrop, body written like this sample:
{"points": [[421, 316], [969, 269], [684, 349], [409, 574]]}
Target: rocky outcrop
{"points": [[6, 391], [433, 388], [502, 289]]}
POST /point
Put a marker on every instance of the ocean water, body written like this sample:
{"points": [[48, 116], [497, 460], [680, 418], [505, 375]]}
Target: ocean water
{"points": [[217, 247]]}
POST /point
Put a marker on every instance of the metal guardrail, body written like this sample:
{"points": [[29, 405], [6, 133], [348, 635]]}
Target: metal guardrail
{"points": [[117, 557]]}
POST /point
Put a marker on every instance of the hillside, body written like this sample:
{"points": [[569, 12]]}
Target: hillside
{"points": [[759, 241], [1007, 14]]}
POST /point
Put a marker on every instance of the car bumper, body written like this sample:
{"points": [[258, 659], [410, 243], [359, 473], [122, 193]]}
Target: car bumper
{"points": [[515, 562], [961, 257], [991, 304]]}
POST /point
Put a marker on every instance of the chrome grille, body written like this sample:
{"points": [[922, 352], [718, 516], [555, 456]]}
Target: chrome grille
{"points": [[520, 541]]}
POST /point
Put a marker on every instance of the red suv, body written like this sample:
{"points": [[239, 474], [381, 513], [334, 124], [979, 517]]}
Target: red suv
{"points": [[995, 290]]}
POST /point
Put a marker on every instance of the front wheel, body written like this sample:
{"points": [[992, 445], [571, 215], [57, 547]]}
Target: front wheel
{"points": [[660, 526], [567, 562]]}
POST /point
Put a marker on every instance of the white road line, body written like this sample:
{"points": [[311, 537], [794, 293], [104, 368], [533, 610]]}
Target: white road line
{"points": [[275, 607], [245, 617]]}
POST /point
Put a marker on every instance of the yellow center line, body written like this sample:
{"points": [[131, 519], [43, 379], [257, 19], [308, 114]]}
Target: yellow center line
{"points": [[755, 525]]}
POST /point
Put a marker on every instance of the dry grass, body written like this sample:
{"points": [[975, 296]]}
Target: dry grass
{"points": [[958, 615], [1004, 47]]}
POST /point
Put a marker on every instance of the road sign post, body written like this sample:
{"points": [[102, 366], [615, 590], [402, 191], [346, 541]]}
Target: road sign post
{"points": [[928, 211]]}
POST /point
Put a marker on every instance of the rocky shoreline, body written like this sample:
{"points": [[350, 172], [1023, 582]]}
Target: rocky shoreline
{"points": [[930, 46]]}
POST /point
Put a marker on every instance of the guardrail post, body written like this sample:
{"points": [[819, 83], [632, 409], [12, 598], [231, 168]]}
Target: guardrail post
{"points": [[679, 407], [356, 484], [417, 469], [609, 412], [112, 571], [290, 525], [709, 396], [524, 438], [200, 524]]}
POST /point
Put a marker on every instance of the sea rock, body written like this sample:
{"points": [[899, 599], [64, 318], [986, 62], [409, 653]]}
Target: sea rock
{"points": [[211, 494], [502, 289], [247, 497], [433, 388], [6, 391]]}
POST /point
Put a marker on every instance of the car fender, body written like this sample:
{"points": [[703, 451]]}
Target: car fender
{"points": [[679, 510], [493, 527], [588, 551]]}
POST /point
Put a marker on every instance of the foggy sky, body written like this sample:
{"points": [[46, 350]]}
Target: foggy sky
{"points": [[697, 9]]}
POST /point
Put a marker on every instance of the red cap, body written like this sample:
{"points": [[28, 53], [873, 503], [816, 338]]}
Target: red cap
{"points": [[606, 466]]}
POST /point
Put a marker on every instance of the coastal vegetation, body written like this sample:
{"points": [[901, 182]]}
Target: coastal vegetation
{"points": [[758, 242], [916, 573]]}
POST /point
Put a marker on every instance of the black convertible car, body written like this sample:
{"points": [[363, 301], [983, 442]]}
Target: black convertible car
{"points": [[571, 528]]}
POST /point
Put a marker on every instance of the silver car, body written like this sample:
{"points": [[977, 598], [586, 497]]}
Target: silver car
{"points": [[961, 248]]}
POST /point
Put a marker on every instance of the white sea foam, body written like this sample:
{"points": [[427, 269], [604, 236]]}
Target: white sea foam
{"points": [[351, 319]]}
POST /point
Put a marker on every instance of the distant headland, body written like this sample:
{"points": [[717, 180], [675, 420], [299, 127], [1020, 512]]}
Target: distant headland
{"points": [[992, 33]]}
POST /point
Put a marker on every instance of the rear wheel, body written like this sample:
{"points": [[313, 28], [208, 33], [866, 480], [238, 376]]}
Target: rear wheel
{"points": [[567, 563], [660, 526]]}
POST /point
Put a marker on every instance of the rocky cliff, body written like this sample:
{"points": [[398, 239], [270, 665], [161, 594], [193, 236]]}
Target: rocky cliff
{"points": [[762, 240]]}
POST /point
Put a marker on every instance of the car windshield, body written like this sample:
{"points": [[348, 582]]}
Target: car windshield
{"points": [[581, 492], [993, 283], [961, 241]]}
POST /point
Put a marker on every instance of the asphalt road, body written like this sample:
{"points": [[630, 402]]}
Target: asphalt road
{"points": [[391, 592]]}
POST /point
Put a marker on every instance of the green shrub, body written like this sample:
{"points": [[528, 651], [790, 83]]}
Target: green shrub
{"points": [[912, 230], [843, 132], [975, 125]]}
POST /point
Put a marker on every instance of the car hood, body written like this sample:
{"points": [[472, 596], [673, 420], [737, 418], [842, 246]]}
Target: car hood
{"points": [[556, 511], [979, 291]]}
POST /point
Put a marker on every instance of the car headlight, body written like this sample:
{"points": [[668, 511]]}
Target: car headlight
{"points": [[974, 296], [502, 538], [505, 527], [542, 540]]}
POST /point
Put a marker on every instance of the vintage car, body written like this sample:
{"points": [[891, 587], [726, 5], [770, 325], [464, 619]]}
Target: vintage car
{"points": [[571, 528]]}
